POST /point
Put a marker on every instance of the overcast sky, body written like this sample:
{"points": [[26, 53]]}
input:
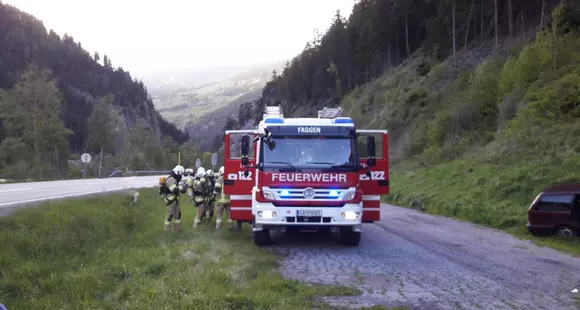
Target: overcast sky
{"points": [[146, 36]]}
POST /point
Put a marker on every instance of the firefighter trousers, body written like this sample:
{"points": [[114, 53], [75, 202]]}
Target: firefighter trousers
{"points": [[221, 207], [209, 211], [173, 214], [201, 209]]}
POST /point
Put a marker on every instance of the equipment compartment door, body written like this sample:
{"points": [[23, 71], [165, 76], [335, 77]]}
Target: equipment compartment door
{"points": [[377, 183], [236, 184]]}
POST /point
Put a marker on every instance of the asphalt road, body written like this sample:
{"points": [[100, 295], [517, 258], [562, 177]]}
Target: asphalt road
{"points": [[429, 262], [18, 194]]}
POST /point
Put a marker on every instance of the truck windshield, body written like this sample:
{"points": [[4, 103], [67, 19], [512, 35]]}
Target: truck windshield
{"points": [[311, 151]]}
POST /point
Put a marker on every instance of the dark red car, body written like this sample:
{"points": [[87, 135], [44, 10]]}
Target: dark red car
{"points": [[556, 210]]}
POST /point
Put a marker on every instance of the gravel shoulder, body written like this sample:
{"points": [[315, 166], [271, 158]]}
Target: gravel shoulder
{"points": [[429, 262]]}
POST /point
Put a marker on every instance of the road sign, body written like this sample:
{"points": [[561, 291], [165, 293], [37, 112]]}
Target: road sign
{"points": [[197, 163], [86, 158], [214, 159]]}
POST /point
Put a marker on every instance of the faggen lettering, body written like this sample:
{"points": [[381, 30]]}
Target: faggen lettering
{"points": [[309, 129]]}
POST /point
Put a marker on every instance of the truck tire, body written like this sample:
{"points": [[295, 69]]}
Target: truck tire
{"points": [[262, 238], [238, 226], [350, 238]]}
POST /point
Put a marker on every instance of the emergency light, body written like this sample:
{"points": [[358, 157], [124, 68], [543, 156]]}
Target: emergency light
{"points": [[274, 121], [343, 120]]}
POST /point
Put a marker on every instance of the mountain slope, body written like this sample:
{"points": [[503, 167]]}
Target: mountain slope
{"points": [[166, 83], [186, 107], [49, 88], [80, 78]]}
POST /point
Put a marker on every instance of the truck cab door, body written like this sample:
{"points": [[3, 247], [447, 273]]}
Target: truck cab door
{"points": [[374, 181], [236, 184]]}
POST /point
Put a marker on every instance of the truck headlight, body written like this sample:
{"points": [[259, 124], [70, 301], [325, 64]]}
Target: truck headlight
{"points": [[350, 195], [268, 195], [350, 215], [267, 214]]}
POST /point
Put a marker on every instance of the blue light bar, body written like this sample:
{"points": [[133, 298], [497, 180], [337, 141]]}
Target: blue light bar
{"points": [[274, 121], [333, 193], [284, 193], [343, 120]]}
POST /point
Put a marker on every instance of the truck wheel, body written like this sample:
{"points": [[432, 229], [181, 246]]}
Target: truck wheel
{"points": [[262, 238], [350, 238], [238, 226]]}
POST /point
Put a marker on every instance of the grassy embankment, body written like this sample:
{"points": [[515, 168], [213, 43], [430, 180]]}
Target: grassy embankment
{"points": [[478, 143], [98, 253]]}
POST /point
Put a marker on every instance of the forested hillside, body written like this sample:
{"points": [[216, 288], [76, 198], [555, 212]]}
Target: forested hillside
{"points": [[58, 101], [412, 67], [481, 98]]}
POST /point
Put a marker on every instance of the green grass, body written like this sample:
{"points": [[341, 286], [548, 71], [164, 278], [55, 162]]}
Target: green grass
{"points": [[494, 193], [99, 254]]}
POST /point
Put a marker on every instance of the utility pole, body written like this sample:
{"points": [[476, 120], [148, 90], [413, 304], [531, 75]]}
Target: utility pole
{"points": [[101, 161]]}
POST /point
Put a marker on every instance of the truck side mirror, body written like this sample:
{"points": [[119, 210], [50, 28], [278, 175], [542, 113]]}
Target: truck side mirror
{"points": [[245, 145], [245, 150], [371, 151]]}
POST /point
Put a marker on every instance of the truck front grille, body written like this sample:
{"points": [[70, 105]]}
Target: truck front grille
{"points": [[303, 219], [309, 204], [298, 194]]}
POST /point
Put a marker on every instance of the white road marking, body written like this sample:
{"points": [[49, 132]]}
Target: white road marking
{"points": [[8, 204], [16, 190]]}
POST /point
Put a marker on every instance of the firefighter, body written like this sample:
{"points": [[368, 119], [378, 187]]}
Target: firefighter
{"points": [[171, 190], [198, 195], [210, 195], [223, 201]]}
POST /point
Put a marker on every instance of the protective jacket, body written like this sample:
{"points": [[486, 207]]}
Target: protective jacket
{"points": [[197, 190], [222, 198], [172, 189]]}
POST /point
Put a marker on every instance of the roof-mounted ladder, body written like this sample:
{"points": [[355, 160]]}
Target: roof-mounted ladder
{"points": [[330, 112], [273, 111]]}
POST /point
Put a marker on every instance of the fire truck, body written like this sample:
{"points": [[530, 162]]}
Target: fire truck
{"points": [[308, 174]]}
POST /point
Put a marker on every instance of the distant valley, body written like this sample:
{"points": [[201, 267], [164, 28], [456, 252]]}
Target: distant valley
{"points": [[208, 96]]}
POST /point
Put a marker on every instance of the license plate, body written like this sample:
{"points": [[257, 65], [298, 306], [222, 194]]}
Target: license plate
{"points": [[309, 213]]}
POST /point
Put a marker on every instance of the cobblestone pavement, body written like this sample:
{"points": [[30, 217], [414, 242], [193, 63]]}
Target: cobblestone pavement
{"points": [[428, 262]]}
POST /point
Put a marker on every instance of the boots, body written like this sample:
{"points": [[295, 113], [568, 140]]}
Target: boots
{"points": [[177, 227], [230, 224], [167, 227], [218, 223], [195, 222]]}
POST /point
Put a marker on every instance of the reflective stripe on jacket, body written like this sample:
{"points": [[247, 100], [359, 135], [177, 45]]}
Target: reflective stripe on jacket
{"points": [[218, 190], [174, 188]]}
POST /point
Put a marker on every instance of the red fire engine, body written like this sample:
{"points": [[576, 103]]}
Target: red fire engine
{"points": [[306, 174]]}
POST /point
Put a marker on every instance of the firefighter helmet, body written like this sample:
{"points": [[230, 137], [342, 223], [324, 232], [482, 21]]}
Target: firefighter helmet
{"points": [[178, 170], [200, 172]]}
